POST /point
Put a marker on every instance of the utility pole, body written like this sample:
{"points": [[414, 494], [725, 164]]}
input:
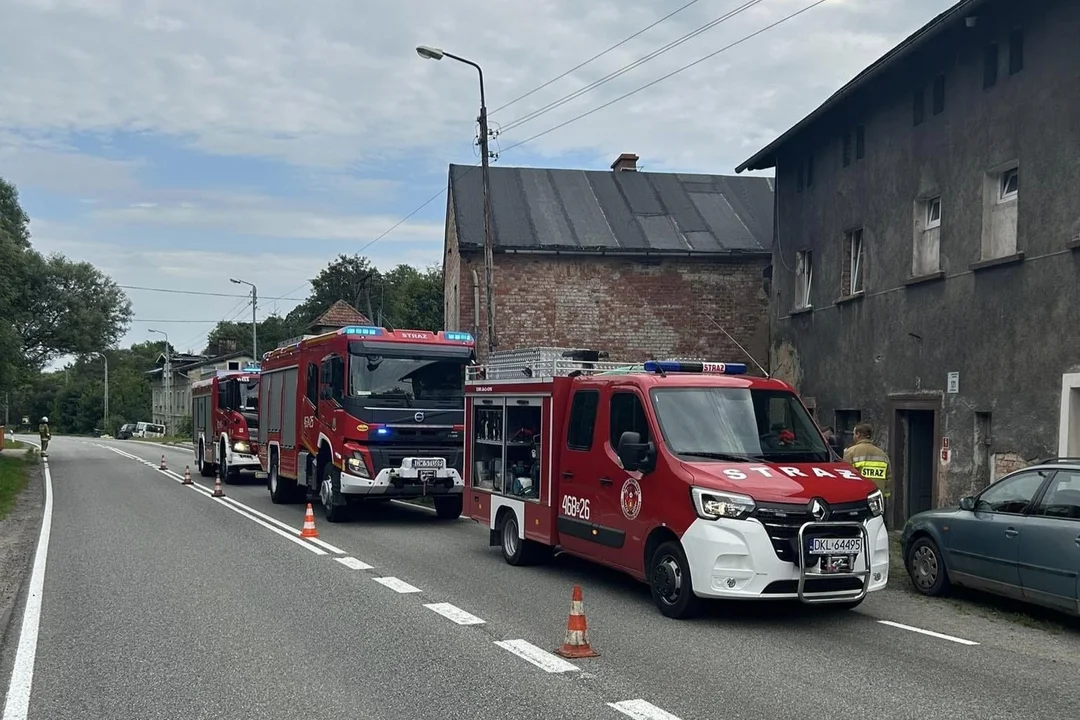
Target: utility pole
{"points": [[105, 425], [430, 53], [254, 324]]}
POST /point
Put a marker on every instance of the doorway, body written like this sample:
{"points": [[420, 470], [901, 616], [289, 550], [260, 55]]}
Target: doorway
{"points": [[913, 439], [1069, 424], [919, 465]]}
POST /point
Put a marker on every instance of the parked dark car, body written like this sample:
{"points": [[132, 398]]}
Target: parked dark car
{"points": [[1019, 537], [125, 432]]}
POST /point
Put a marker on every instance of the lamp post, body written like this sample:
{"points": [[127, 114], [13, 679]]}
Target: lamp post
{"points": [[254, 303], [430, 53], [105, 425], [168, 381]]}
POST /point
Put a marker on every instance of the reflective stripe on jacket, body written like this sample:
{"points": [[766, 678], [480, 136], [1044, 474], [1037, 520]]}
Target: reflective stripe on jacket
{"points": [[871, 462]]}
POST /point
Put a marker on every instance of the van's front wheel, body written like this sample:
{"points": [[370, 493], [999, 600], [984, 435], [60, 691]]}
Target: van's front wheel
{"points": [[669, 580]]}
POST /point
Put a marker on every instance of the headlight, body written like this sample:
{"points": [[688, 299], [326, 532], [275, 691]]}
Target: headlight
{"points": [[713, 504], [357, 466], [876, 501], [241, 447]]}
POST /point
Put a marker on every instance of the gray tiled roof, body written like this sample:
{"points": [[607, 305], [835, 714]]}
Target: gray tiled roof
{"points": [[625, 211]]}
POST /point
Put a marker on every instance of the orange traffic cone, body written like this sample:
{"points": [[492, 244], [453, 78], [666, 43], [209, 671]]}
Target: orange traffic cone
{"points": [[309, 530], [187, 475], [218, 492], [163, 466], [577, 632]]}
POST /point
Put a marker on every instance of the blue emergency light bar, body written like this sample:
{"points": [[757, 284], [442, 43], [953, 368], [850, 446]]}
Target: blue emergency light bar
{"points": [[711, 368], [458, 336], [366, 330]]}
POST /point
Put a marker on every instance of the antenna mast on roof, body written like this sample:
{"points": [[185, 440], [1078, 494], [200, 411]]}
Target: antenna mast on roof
{"points": [[752, 358]]}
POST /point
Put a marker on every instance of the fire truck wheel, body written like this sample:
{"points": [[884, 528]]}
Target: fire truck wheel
{"points": [[515, 551], [282, 490], [205, 468], [334, 506], [448, 507], [229, 475], [669, 580]]}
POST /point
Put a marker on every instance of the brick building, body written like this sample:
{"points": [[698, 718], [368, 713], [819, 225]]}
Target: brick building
{"points": [[622, 261], [928, 274]]}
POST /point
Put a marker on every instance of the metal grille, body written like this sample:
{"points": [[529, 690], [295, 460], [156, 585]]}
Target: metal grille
{"points": [[782, 521], [541, 363]]}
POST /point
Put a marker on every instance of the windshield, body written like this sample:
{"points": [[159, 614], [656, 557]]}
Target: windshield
{"points": [[737, 424], [403, 380], [249, 395]]}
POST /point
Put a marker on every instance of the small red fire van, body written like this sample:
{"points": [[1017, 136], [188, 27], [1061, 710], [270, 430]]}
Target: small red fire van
{"points": [[693, 477]]}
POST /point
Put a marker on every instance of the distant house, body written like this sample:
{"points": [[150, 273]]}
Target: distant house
{"points": [[185, 369], [624, 261], [340, 314], [927, 269]]}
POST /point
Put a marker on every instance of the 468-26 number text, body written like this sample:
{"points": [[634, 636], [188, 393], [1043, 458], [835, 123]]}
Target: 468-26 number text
{"points": [[575, 507]]}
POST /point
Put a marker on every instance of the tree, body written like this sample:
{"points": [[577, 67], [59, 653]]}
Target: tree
{"points": [[50, 306], [413, 298], [347, 277], [228, 337]]}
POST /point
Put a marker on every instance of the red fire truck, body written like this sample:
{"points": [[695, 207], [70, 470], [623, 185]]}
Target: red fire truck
{"points": [[366, 413], [690, 476], [224, 417]]}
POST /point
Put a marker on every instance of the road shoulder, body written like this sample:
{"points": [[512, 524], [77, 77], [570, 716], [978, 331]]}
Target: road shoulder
{"points": [[18, 540]]}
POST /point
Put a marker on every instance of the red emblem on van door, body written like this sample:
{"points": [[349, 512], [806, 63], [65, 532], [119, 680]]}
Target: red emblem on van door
{"points": [[630, 498]]}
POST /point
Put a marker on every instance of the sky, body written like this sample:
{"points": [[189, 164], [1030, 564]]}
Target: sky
{"points": [[177, 143]]}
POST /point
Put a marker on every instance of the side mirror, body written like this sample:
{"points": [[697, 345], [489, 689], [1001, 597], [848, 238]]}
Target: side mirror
{"points": [[634, 454], [967, 503]]}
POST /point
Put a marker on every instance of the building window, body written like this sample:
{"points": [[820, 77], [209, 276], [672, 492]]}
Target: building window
{"points": [[990, 66], [1009, 185], [918, 108], [804, 278], [809, 171], [851, 281], [933, 213], [1000, 212], [860, 142], [939, 95], [799, 175], [847, 149], [1016, 51]]}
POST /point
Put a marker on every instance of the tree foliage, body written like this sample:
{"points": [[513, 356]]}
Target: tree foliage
{"points": [[49, 306]]}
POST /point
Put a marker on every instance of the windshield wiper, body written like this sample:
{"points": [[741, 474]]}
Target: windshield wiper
{"points": [[733, 457]]}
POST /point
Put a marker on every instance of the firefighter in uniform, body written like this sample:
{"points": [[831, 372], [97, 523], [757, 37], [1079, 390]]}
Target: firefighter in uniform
{"points": [[870, 460], [46, 435]]}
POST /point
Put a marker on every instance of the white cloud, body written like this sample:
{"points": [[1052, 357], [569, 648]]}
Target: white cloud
{"points": [[337, 82]]}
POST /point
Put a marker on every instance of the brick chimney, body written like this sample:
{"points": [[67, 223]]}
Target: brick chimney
{"points": [[626, 161]]}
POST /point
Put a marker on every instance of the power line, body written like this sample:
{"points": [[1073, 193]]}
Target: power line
{"points": [[606, 105], [206, 294], [594, 57], [665, 77], [627, 68]]}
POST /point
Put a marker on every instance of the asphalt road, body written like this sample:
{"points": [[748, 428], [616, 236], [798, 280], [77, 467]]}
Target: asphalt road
{"points": [[161, 602]]}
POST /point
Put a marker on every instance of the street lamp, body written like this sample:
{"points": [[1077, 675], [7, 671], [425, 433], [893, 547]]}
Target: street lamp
{"points": [[254, 331], [431, 53], [105, 426], [168, 380]]}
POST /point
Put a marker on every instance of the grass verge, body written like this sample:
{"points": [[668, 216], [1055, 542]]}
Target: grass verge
{"points": [[12, 480], [14, 445]]}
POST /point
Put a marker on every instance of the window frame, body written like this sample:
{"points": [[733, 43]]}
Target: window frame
{"points": [[1004, 196], [1039, 503], [930, 222], [648, 435], [804, 281], [1011, 479], [937, 95], [594, 393], [855, 263]]}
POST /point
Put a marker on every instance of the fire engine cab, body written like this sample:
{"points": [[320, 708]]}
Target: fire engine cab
{"points": [[365, 414], [693, 477], [224, 419]]}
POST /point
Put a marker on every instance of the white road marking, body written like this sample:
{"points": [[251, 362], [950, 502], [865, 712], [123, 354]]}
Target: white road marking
{"points": [[455, 614], [642, 710], [542, 659], [321, 543], [397, 585], [17, 705], [931, 633], [268, 526], [354, 564]]}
